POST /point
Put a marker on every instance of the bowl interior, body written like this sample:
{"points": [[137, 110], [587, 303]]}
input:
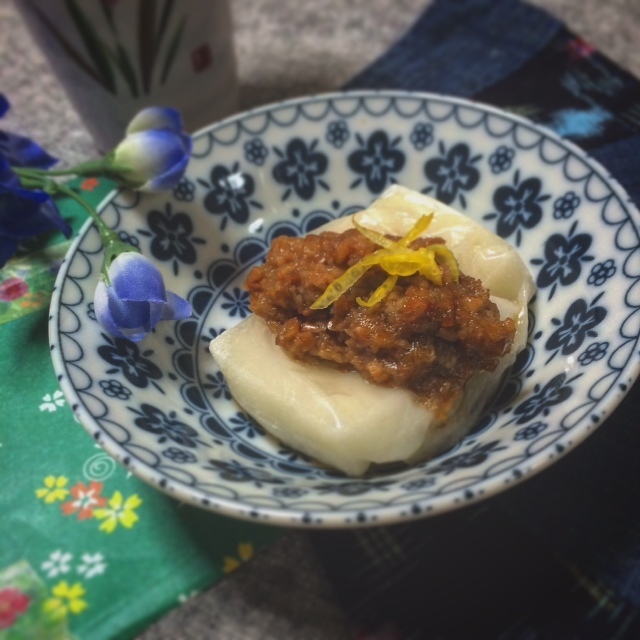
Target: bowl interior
{"points": [[162, 408]]}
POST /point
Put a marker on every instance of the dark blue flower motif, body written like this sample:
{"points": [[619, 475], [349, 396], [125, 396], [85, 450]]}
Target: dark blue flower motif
{"points": [[155, 421], [472, 458], [422, 135], [601, 272], [126, 358], [420, 483], [236, 472], [218, 385], [376, 160], [300, 168], [242, 423], [453, 173], [255, 152], [135, 299], [172, 237], [531, 431], [237, 302], [115, 389], [563, 259], [353, 488], [337, 133], [185, 190], [181, 456], [500, 160], [289, 492], [518, 206], [553, 393], [578, 324], [565, 206], [594, 352], [230, 194]]}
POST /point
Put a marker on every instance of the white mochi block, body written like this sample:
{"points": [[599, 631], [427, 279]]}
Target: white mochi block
{"points": [[341, 419]]}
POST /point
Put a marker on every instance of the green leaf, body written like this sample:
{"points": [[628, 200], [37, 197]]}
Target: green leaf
{"points": [[146, 41], [108, 14], [95, 48], [165, 17], [70, 50], [173, 50], [126, 69]]}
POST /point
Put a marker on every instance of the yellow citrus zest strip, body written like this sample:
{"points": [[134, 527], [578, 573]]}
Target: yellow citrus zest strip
{"points": [[385, 288], [396, 259], [374, 236], [416, 231], [344, 282]]}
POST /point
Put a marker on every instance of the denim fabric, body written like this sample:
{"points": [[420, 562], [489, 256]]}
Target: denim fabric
{"points": [[459, 47], [559, 555]]}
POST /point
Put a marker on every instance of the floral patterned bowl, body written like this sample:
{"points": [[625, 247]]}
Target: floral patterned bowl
{"points": [[161, 408]]}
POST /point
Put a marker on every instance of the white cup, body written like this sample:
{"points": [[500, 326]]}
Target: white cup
{"points": [[115, 57]]}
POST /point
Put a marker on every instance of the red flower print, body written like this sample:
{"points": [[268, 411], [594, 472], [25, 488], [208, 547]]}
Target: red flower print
{"points": [[201, 58], [578, 49], [13, 603], [85, 500], [12, 289], [89, 184]]}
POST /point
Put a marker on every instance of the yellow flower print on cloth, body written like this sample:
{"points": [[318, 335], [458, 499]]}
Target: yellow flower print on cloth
{"points": [[54, 489], [118, 511], [65, 599], [245, 552]]}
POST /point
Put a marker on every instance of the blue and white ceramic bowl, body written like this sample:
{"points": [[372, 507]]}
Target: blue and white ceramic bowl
{"points": [[162, 409]]}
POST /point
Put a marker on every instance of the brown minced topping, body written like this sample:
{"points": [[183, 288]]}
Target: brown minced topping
{"points": [[426, 338]]}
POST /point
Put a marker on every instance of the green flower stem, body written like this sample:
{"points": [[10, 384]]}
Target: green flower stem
{"points": [[113, 245], [102, 167], [105, 232]]}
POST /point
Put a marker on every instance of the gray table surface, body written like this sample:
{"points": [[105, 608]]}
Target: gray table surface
{"points": [[285, 48]]}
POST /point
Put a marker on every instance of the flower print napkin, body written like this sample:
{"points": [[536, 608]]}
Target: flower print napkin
{"points": [[86, 549], [559, 555]]}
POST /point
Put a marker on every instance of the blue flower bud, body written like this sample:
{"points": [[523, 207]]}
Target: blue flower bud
{"points": [[135, 299], [156, 118], [155, 152]]}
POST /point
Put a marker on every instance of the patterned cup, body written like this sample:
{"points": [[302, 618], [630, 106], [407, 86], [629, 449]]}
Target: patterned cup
{"points": [[114, 58]]}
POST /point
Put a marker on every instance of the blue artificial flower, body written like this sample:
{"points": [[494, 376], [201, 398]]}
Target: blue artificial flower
{"points": [[19, 151], [135, 300], [154, 153], [23, 213]]}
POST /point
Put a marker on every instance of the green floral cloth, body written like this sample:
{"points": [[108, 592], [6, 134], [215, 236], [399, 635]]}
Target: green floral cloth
{"points": [[86, 549]]}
